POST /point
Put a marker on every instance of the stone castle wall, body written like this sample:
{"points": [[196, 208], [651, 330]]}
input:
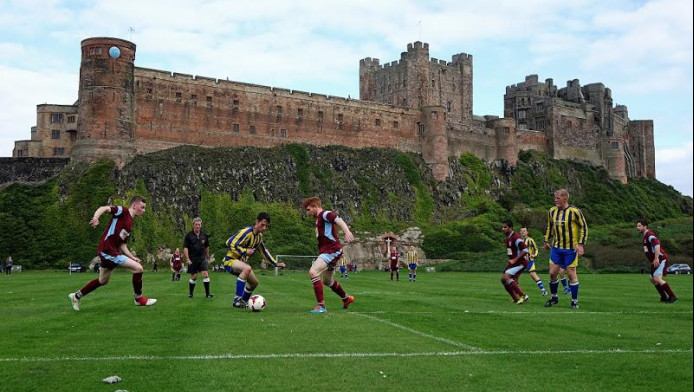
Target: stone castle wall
{"points": [[416, 104]]}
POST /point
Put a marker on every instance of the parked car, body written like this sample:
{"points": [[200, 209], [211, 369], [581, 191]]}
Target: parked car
{"points": [[76, 267], [679, 269]]}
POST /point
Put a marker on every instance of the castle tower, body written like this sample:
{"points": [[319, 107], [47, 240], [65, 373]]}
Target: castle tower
{"points": [[434, 139], [506, 141], [106, 101]]}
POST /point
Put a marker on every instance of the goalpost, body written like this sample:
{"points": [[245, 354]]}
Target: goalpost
{"points": [[295, 262]]}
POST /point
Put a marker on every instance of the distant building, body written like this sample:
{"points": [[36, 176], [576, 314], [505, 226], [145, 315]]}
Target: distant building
{"points": [[416, 104]]}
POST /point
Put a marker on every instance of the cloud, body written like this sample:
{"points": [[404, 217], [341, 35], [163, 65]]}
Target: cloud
{"points": [[674, 167]]}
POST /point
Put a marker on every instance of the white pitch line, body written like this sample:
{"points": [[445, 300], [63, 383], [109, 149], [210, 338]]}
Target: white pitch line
{"points": [[338, 355], [419, 333], [577, 312]]}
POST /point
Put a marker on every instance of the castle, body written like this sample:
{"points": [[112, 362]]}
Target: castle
{"points": [[416, 104]]}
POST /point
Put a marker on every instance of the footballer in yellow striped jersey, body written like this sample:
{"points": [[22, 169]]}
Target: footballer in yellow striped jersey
{"points": [[568, 232]]}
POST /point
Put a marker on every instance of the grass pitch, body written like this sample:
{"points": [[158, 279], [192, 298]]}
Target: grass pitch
{"points": [[444, 332]]}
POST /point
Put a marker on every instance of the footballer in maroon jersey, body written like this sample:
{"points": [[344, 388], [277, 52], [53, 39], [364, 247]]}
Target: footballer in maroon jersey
{"points": [[330, 249], [517, 261], [113, 250], [658, 258]]}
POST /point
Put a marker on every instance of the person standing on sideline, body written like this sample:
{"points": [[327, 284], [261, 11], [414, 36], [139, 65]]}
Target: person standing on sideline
{"points": [[196, 251], [176, 265], [8, 265], [412, 262], [394, 264], [532, 254], [330, 249], [243, 245], [517, 262], [658, 258], [569, 231], [113, 250]]}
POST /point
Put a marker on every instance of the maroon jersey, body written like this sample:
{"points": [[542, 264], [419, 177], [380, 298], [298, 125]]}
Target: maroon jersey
{"points": [[649, 243], [516, 246], [393, 259], [117, 231], [328, 241], [176, 261]]}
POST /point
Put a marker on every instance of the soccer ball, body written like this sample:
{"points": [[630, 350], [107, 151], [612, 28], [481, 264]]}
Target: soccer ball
{"points": [[256, 303]]}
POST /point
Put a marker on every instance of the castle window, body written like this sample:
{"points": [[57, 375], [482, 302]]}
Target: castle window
{"points": [[420, 129], [179, 97], [58, 151], [73, 134], [320, 116], [522, 127], [149, 90], [540, 124], [235, 128], [614, 145], [209, 101], [507, 130], [95, 51], [251, 130], [194, 98], [283, 132], [279, 113], [448, 106], [395, 124], [71, 119], [378, 122], [434, 115], [404, 102], [235, 106], [55, 134], [540, 106], [299, 114], [56, 118], [521, 114], [339, 121]]}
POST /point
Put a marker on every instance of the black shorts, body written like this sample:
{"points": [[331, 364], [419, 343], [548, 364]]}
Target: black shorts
{"points": [[197, 266]]}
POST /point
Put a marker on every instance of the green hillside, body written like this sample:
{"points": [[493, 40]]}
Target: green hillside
{"points": [[375, 190]]}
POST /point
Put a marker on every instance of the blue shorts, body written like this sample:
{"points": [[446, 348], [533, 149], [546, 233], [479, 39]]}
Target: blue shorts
{"points": [[531, 266], [331, 259], [111, 262], [564, 258], [412, 266]]}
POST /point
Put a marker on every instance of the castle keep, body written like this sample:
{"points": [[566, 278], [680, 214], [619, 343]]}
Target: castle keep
{"points": [[416, 104]]}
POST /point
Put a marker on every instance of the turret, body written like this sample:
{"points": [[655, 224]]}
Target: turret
{"points": [[105, 127]]}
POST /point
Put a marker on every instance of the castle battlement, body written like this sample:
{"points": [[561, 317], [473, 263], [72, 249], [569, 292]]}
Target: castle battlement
{"points": [[415, 104]]}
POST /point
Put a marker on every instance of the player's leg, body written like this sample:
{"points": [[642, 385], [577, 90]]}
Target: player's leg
{"points": [[319, 266], [104, 276], [658, 276], [536, 278], [206, 279], [506, 281], [570, 264], [242, 271], [251, 283], [136, 269], [553, 274], [193, 271]]}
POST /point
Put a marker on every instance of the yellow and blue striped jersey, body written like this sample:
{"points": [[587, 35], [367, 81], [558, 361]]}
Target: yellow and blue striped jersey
{"points": [[412, 257], [567, 227], [239, 244], [532, 248]]}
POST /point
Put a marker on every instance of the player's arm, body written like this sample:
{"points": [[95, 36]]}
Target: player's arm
{"points": [[124, 249], [235, 243], [582, 231], [548, 230], [345, 229], [268, 256], [186, 255], [94, 222]]}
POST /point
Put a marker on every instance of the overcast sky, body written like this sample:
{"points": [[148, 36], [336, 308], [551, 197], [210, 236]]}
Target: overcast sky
{"points": [[641, 50]]}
